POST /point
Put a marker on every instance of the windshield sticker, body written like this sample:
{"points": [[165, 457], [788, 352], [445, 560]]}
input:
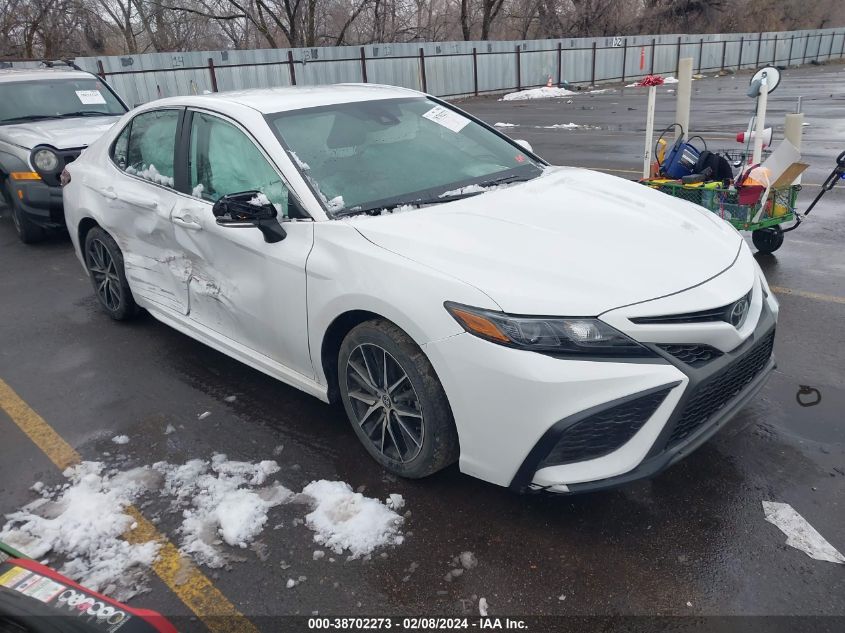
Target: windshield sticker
{"points": [[447, 118], [91, 97]]}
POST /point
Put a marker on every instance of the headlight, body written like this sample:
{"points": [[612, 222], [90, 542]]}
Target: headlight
{"points": [[45, 160], [581, 336]]}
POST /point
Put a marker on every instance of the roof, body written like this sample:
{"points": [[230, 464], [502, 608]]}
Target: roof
{"points": [[34, 74], [270, 100]]}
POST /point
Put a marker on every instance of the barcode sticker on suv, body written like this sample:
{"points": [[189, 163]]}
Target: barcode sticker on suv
{"points": [[91, 97]]}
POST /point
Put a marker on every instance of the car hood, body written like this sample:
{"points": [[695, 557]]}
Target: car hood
{"points": [[59, 133], [571, 242]]}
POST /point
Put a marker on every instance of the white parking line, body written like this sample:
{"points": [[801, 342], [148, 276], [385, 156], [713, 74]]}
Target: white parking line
{"points": [[799, 533]]}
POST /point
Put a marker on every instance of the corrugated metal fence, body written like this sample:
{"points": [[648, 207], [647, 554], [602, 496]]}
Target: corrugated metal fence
{"points": [[453, 69]]}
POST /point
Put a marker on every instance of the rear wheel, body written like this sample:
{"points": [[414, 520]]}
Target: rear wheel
{"points": [[395, 402], [768, 240], [104, 262]]}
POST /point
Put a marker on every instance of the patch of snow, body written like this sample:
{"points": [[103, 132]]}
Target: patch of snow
{"points": [[347, 520], [169, 429], [468, 560], [335, 204], [259, 200], [538, 93], [561, 126], [601, 91], [203, 415], [152, 174], [482, 607], [230, 398], [800, 534], [462, 191], [196, 192], [561, 597], [395, 502], [633, 85], [670, 80], [302, 164], [120, 439], [318, 554], [500, 124], [83, 522]]}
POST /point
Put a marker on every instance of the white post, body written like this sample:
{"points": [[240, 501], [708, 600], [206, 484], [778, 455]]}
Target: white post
{"points": [[762, 101], [683, 93], [793, 130], [649, 131]]}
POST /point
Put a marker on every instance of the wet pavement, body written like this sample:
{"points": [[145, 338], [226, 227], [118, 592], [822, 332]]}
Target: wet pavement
{"points": [[692, 541]]}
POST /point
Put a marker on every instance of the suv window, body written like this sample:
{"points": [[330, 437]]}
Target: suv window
{"points": [[145, 147], [56, 99], [224, 160]]}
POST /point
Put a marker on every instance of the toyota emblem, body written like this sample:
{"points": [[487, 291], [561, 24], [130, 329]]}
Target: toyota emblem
{"points": [[739, 311]]}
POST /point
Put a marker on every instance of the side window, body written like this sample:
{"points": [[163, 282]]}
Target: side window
{"points": [[146, 146], [224, 160]]}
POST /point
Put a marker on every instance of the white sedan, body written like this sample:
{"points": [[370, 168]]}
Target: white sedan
{"points": [[545, 327]]}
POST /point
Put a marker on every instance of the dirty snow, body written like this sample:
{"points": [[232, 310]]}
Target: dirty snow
{"points": [[152, 174], [561, 126], [120, 439], [482, 607], [500, 124], [395, 502], [538, 93], [203, 415], [670, 80], [169, 429], [800, 534], [83, 523], [347, 520]]}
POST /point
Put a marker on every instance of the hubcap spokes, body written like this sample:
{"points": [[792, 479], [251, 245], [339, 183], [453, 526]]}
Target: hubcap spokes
{"points": [[102, 268], [384, 403]]}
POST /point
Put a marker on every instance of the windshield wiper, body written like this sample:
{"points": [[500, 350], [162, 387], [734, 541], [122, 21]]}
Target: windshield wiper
{"points": [[503, 180], [29, 117], [418, 202], [70, 115]]}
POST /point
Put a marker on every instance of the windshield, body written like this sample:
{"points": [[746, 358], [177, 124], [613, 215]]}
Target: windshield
{"points": [[22, 101], [372, 155]]}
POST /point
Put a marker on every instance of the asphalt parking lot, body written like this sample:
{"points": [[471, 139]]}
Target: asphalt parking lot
{"points": [[692, 541]]}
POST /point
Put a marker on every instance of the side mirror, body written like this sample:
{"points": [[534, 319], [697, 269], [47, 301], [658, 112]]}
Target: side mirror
{"points": [[249, 209], [524, 144]]}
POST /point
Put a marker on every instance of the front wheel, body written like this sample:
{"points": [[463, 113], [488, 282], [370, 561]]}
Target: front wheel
{"points": [[768, 240], [104, 262], [28, 232], [395, 401]]}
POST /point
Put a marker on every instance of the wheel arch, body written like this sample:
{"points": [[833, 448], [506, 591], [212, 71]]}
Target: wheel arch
{"points": [[333, 339], [85, 225]]}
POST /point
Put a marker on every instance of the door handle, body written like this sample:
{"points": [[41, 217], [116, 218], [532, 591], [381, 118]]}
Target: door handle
{"points": [[108, 193], [187, 221]]}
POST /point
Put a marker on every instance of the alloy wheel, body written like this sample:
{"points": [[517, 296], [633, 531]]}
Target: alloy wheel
{"points": [[106, 280], [384, 403]]}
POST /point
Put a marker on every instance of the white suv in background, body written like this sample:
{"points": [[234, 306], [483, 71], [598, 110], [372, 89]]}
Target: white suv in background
{"points": [[47, 117], [546, 327]]}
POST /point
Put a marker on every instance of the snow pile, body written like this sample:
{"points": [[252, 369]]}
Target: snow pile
{"points": [[670, 80], [83, 521], [562, 126], [500, 124], [538, 93], [221, 501], [347, 520], [152, 174], [120, 439]]}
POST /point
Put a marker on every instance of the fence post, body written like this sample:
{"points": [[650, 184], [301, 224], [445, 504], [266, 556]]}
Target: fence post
{"points": [[759, 44], [741, 46], [475, 70], [212, 74], [593, 71], [291, 69], [422, 70], [804, 55], [700, 53], [791, 42], [102, 71], [842, 50], [363, 65], [830, 48], [651, 71], [775, 52], [624, 58], [518, 70], [560, 63], [678, 57]]}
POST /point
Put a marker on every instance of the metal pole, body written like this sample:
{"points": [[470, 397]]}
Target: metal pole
{"points": [[475, 70], [775, 52], [291, 69], [759, 44], [102, 71], [363, 65], [560, 63], [678, 57], [212, 74], [762, 101], [741, 46], [624, 58], [649, 131], [700, 53], [830, 48], [842, 50], [724, 50], [422, 71], [518, 70], [804, 56], [791, 42], [651, 71], [593, 71]]}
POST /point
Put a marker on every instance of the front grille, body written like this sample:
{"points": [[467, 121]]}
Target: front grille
{"points": [[713, 395], [603, 432], [692, 355], [712, 315]]}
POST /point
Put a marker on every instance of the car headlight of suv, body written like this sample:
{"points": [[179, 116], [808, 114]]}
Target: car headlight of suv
{"points": [[45, 159], [550, 335]]}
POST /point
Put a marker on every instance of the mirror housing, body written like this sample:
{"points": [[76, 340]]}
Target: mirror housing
{"points": [[248, 209], [524, 144]]}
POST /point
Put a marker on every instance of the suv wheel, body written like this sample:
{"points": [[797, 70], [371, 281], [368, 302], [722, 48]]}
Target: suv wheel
{"points": [[104, 262], [28, 232], [395, 401]]}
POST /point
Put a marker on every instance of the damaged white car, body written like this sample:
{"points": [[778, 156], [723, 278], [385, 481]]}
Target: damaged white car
{"points": [[546, 328]]}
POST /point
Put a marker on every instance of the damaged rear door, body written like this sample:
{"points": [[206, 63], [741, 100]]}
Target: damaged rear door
{"points": [[240, 286], [140, 201]]}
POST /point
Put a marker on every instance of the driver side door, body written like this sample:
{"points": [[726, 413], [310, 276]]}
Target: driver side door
{"points": [[241, 289]]}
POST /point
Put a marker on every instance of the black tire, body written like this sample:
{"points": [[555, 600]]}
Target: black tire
{"points": [[104, 262], [768, 240], [437, 445], [28, 232]]}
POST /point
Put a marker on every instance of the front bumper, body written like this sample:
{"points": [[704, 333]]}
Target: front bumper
{"points": [[40, 202], [511, 407]]}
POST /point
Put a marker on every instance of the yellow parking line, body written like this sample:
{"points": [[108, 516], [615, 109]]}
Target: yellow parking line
{"points": [[808, 295], [192, 587]]}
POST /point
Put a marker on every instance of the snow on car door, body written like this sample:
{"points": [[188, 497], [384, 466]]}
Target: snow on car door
{"points": [[240, 286], [144, 196]]}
